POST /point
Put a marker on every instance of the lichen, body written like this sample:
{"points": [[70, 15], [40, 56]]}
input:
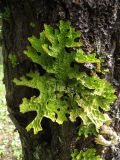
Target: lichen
{"points": [[89, 154], [106, 130], [66, 92], [13, 59]]}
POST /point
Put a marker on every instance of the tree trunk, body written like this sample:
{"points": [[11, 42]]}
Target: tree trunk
{"points": [[99, 22]]}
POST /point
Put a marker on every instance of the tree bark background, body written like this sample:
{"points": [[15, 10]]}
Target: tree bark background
{"points": [[99, 22]]}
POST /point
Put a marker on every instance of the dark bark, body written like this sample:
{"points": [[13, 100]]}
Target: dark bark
{"points": [[99, 22]]}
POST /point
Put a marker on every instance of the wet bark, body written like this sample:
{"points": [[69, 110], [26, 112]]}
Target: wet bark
{"points": [[99, 22]]}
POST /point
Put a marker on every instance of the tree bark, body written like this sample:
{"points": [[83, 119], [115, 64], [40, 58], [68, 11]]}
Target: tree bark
{"points": [[99, 22]]}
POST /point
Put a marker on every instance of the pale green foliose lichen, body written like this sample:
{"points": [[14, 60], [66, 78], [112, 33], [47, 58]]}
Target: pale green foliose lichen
{"points": [[64, 89], [89, 154]]}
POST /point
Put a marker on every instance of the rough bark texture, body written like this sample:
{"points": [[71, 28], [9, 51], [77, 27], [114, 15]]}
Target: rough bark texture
{"points": [[99, 22]]}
